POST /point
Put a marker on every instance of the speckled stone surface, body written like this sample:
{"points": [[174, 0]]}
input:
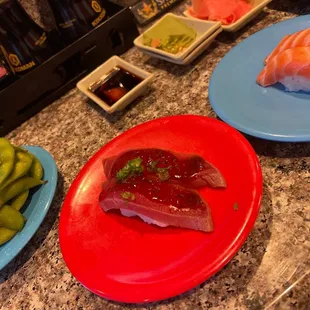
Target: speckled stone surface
{"points": [[271, 271]]}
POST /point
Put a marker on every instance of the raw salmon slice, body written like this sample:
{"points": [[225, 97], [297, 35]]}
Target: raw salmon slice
{"points": [[298, 39], [290, 67]]}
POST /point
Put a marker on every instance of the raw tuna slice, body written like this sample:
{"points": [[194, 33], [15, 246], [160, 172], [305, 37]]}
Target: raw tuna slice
{"points": [[184, 169], [160, 203]]}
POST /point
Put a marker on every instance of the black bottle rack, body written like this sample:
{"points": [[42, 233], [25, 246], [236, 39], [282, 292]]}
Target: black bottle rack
{"points": [[40, 87]]}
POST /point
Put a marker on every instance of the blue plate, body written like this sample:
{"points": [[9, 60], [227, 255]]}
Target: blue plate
{"points": [[268, 113], [37, 207]]}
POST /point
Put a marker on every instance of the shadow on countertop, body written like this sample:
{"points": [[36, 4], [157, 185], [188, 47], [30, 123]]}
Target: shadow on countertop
{"points": [[279, 149], [299, 7], [40, 236], [232, 280]]}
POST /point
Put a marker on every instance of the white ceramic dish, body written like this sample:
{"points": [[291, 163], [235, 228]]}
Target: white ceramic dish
{"points": [[104, 69], [193, 55], [258, 6], [203, 28]]}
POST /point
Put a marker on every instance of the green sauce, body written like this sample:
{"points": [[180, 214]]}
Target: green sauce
{"points": [[170, 35]]}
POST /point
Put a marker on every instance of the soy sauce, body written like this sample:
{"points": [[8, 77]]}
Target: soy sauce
{"points": [[117, 85]]}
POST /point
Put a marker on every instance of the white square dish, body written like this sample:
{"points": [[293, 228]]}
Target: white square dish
{"points": [[258, 6], [105, 69], [203, 29]]}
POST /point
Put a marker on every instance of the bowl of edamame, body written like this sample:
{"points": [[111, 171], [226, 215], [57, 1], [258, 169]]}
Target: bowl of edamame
{"points": [[28, 179]]}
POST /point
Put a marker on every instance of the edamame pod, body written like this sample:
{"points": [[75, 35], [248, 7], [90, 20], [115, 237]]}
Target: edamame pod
{"points": [[21, 149], [17, 187], [11, 218], [6, 234], [23, 162], [18, 202], [7, 156], [36, 170]]}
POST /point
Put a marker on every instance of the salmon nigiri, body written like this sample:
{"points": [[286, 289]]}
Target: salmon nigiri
{"points": [[290, 67], [298, 39]]}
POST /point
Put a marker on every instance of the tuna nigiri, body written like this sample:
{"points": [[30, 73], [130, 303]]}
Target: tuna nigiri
{"points": [[188, 170], [298, 39], [290, 67], [159, 203]]}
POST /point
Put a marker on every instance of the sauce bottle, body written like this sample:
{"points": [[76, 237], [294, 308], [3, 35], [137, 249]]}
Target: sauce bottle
{"points": [[18, 25], [17, 53], [74, 18], [91, 12], [6, 75], [68, 23]]}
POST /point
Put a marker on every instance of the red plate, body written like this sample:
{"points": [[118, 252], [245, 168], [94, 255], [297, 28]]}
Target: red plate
{"points": [[127, 260]]}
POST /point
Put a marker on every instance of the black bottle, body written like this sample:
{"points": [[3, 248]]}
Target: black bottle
{"points": [[17, 53], [90, 12], [74, 18], [67, 21], [14, 20], [6, 75]]}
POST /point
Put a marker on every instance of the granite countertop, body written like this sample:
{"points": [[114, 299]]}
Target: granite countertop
{"points": [[271, 271]]}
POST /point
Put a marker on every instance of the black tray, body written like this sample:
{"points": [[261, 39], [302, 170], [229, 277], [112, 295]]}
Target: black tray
{"points": [[40, 87]]}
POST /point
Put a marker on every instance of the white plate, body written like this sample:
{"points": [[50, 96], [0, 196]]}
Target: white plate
{"points": [[258, 6], [193, 55], [105, 68], [203, 28]]}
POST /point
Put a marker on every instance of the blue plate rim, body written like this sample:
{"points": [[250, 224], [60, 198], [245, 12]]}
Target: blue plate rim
{"points": [[52, 183]]}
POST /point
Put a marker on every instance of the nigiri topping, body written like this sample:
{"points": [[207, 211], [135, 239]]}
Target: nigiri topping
{"points": [[298, 39], [185, 169], [132, 167], [156, 202], [290, 67]]}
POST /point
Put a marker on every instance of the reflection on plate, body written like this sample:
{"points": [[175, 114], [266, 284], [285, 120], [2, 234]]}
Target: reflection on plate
{"points": [[35, 209], [268, 113], [127, 260]]}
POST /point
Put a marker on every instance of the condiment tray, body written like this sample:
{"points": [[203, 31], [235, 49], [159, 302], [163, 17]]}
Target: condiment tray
{"points": [[204, 29], [258, 6], [105, 69], [193, 55]]}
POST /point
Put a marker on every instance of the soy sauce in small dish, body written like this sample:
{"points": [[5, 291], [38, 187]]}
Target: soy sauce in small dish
{"points": [[116, 84]]}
